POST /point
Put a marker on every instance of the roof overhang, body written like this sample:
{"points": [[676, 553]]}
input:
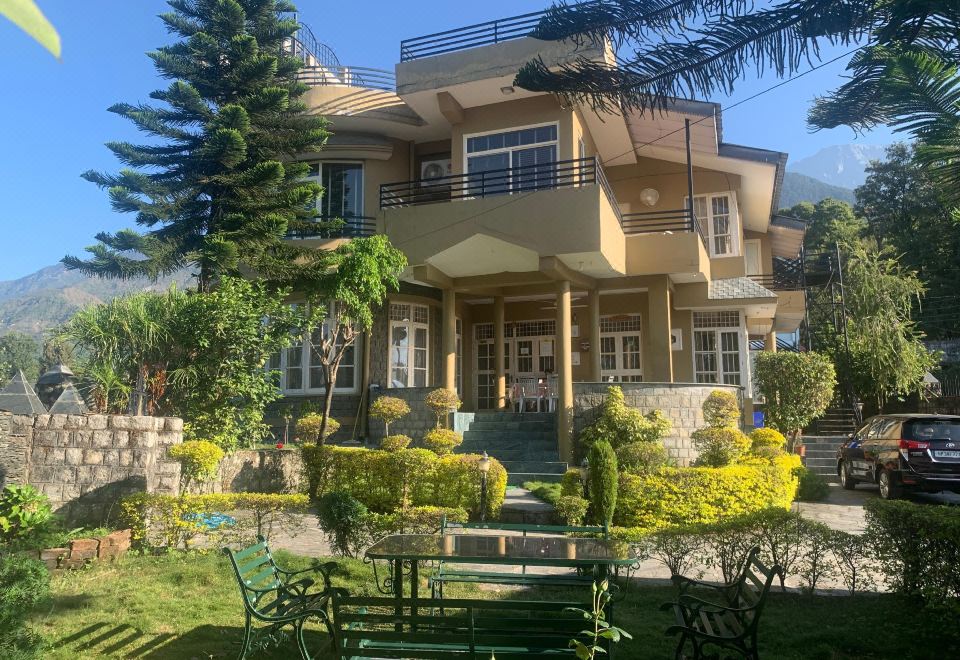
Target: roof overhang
{"points": [[786, 236]]}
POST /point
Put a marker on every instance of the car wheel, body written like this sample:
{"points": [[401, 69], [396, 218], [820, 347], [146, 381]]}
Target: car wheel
{"points": [[889, 489], [846, 480]]}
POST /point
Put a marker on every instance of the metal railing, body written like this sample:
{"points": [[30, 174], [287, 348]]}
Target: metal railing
{"points": [[662, 222], [787, 275], [528, 178], [310, 50], [471, 36], [356, 226], [348, 76]]}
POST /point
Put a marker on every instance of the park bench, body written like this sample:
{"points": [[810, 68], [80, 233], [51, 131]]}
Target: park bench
{"points": [[369, 627], [444, 575], [278, 597], [729, 620]]}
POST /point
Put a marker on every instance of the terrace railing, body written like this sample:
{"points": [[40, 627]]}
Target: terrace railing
{"points": [[348, 76], [787, 275], [347, 227], [310, 50], [471, 36], [528, 178], [662, 222]]}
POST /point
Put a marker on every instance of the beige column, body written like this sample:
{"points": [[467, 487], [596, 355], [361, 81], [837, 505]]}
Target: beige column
{"points": [[770, 342], [498, 354], [593, 333], [564, 373], [449, 343], [660, 369]]}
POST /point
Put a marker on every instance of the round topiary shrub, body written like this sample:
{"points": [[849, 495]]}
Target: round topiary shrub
{"points": [[442, 401], [308, 428], [642, 457], [389, 409], [198, 460], [719, 446], [344, 519], [721, 409], [395, 442], [767, 437], [442, 441]]}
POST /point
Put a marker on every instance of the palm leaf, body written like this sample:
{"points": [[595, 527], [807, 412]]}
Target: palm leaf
{"points": [[26, 15]]}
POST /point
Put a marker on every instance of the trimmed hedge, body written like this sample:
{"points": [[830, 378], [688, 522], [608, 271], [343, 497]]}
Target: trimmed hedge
{"points": [[384, 481], [673, 497]]}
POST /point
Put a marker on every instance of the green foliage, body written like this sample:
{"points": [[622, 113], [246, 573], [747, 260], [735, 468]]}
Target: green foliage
{"points": [[56, 351], [442, 441], [571, 483], [312, 425], [395, 442], [24, 511], [853, 558], [797, 388], [166, 521], [641, 457], [721, 409], [829, 222], [603, 483], [216, 186], [389, 409], [413, 520], [572, 510], [719, 446], [547, 491], [917, 548], [674, 497], [621, 425], [813, 487], [725, 545], [27, 15], [343, 518], [19, 352], [766, 437], [600, 628], [815, 562], [24, 584], [199, 461], [442, 401], [386, 481]]}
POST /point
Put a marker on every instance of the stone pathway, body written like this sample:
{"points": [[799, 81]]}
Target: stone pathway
{"points": [[520, 506]]}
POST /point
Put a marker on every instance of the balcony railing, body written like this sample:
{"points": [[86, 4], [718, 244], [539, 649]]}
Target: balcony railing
{"points": [[481, 34], [348, 76], [662, 222], [787, 275], [337, 227], [527, 178]]}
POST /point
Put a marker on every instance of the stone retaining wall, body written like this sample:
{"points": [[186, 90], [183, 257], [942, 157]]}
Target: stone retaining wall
{"points": [[680, 402], [261, 471]]}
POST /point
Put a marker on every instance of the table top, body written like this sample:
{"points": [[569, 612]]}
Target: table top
{"points": [[510, 550]]}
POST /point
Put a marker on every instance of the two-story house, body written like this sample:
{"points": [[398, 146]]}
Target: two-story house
{"points": [[551, 247]]}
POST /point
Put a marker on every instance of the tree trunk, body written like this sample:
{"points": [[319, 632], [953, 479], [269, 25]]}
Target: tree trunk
{"points": [[327, 405]]}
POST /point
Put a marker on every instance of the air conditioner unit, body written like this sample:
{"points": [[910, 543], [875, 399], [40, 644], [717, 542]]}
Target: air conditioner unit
{"points": [[435, 169]]}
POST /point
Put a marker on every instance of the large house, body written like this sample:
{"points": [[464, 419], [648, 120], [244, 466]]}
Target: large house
{"points": [[551, 247]]}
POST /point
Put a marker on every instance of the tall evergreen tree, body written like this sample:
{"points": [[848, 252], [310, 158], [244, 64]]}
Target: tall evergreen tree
{"points": [[216, 187]]}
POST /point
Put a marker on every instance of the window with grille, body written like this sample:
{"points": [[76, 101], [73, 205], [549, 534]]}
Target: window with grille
{"points": [[409, 345], [718, 347], [529, 153], [621, 349], [301, 365]]}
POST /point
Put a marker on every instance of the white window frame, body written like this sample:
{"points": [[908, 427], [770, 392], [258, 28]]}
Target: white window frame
{"points": [[281, 363], [319, 180], [743, 348], [508, 150], [411, 326], [620, 374], [708, 225]]}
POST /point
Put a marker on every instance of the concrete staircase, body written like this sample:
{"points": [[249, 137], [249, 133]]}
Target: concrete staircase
{"points": [[835, 422], [525, 443], [821, 455]]}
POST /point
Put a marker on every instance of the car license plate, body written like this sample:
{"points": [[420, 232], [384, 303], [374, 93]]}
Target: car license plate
{"points": [[946, 454]]}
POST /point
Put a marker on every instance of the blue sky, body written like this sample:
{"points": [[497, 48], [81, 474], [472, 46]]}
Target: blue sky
{"points": [[54, 119]]}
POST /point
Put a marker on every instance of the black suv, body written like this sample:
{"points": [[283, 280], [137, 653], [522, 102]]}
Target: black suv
{"points": [[903, 452]]}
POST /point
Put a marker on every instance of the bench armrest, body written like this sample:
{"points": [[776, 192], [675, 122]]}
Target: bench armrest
{"points": [[324, 569], [693, 603], [683, 583]]}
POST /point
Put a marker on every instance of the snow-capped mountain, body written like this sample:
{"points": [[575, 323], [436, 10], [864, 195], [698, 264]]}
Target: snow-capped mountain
{"points": [[840, 165]]}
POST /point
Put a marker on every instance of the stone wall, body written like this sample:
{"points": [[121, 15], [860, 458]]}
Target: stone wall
{"points": [[261, 471], [84, 463], [420, 420], [680, 402]]}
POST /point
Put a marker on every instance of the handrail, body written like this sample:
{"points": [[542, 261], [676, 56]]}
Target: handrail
{"points": [[330, 226], [471, 36], [348, 76], [310, 50], [662, 222], [527, 178]]}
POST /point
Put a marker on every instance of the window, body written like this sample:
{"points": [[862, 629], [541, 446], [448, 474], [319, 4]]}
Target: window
{"points": [[301, 370], [342, 189], [530, 154], [620, 349], [409, 345], [717, 215], [717, 347]]}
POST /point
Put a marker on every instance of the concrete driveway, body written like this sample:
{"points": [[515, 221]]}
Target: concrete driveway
{"points": [[843, 509]]}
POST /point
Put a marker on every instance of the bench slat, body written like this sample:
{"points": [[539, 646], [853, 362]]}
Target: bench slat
{"points": [[247, 552], [253, 564]]}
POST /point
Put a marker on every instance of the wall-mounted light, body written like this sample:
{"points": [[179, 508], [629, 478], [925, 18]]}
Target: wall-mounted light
{"points": [[508, 90], [649, 196]]}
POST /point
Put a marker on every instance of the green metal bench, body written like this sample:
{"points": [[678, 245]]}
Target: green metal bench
{"points": [[732, 620], [443, 576], [278, 597], [366, 627]]}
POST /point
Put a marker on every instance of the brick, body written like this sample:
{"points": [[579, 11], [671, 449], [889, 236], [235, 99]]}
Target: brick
{"points": [[40, 421], [97, 422], [101, 439], [145, 440], [71, 490], [57, 422], [66, 475], [83, 438], [125, 457], [120, 439], [173, 424], [47, 438], [53, 556], [92, 457], [53, 490], [111, 458], [114, 545], [121, 422], [76, 422]]}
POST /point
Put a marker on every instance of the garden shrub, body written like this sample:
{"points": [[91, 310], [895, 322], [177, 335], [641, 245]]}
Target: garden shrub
{"points": [[309, 425], [24, 512], [414, 520], [389, 409], [813, 487], [726, 544], [620, 425], [642, 457], [917, 548], [721, 408], [815, 562], [674, 497], [199, 460], [344, 519], [603, 483], [547, 491], [380, 479], [797, 388], [677, 549], [442, 401], [767, 438], [780, 535], [572, 510], [167, 521], [572, 483], [24, 584], [853, 558], [719, 446], [442, 441], [395, 442]]}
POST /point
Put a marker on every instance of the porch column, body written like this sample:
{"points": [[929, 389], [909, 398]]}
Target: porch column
{"points": [[498, 354], [658, 342], [593, 332], [564, 373], [449, 343], [770, 342]]}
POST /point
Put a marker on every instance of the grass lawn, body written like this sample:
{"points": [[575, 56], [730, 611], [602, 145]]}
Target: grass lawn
{"points": [[545, 490], [188, 606]]}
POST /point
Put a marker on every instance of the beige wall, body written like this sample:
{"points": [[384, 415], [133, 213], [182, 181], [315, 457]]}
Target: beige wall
{"points": [[669, 179]]}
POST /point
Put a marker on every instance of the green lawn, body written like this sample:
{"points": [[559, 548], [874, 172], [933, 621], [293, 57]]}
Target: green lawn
{"points": [[545, 490], [188, 606]]}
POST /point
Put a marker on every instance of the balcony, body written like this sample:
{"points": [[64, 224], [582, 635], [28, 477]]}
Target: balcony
{"points": [[333, 227], [787, 275], [471, 36]]}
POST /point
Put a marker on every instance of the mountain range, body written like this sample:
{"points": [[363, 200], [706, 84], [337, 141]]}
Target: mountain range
{"points": [[831, 172]]}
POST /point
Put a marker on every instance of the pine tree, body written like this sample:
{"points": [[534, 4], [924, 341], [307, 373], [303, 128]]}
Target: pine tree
{"points": [[217, 186]]}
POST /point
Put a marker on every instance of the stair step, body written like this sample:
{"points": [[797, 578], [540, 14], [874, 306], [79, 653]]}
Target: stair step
{"points": [[514, 436], [495, 425], [498, 416], [820, 462]]}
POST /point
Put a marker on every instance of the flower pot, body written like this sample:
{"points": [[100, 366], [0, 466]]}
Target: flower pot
{"points": [[801, 450]]}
